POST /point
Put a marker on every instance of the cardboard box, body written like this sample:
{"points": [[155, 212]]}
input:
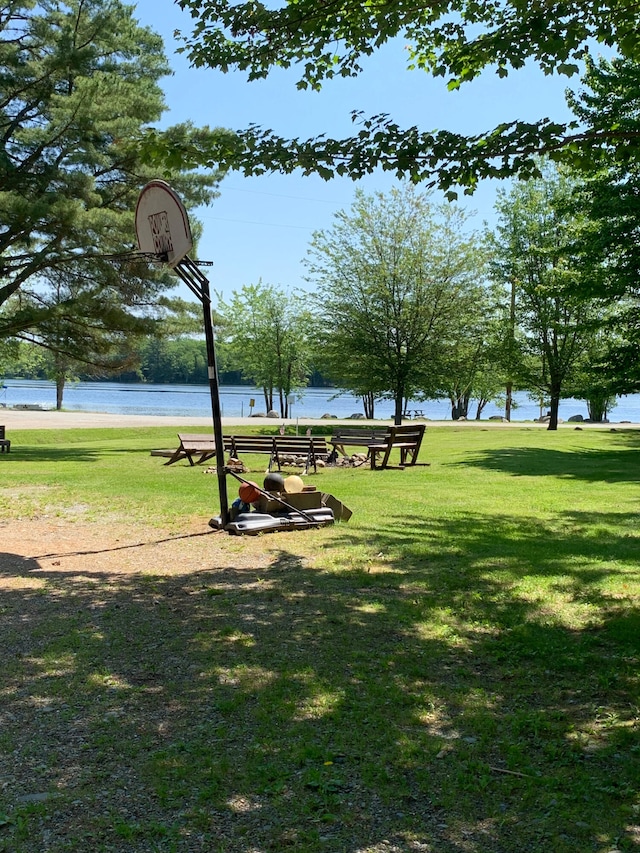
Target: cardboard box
{"points": [[340, 511], [308, 499]]}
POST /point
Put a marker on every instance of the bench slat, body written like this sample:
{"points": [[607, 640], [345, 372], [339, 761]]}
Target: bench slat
{"points": [[356, 437]]}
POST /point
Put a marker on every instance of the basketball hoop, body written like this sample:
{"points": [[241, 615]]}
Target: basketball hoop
{"points": [[164, 236], [162, 224]]}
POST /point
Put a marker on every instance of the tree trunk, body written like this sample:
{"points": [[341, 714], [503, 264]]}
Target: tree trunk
{"points": [[368, 404], [398, 408], [598, 407], [512, 338], [459, 406], [508, 401], [59, 391], [553, 410], [465, 404]]}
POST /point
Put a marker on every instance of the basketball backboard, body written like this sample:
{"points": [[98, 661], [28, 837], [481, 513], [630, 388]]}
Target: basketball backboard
{"points": [[162, 224]]}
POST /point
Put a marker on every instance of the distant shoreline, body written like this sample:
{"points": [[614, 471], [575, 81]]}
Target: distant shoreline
{"points": [[193, 402], [14, 419]]}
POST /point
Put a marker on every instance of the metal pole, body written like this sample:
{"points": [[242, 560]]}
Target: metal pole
{"points": [[199, 284]]}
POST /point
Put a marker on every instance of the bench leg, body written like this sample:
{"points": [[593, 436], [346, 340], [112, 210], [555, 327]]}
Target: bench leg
{"points": [[311, 460], [410, 454], [179, 454], [387, 454]]}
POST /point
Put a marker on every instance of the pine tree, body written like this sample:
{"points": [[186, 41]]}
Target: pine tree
{"points": [[79, 81]]}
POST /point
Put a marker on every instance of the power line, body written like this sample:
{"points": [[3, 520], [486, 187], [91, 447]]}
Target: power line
{"points": [[261, 224], [280, 195]]}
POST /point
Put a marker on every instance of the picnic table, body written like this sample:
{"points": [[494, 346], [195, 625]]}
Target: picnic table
{"points": [[200, 446]]}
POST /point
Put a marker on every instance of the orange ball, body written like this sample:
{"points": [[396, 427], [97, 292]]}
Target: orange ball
{"points": [[249, 492]]}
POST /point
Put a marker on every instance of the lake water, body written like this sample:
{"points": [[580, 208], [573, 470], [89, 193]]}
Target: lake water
{"points": [[235, 401]]}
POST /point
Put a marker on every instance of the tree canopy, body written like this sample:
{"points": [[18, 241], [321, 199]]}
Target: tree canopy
{"points": [[393, 274], [78, 81], [454, 39], [264, 332], [534, 252], [609, 198]]}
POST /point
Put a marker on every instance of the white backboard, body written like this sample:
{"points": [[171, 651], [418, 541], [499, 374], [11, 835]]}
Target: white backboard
{"points": [[162, 224]]}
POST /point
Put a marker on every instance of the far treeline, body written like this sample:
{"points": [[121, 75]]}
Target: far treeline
{"points": [[406, 299], [161, 360]]}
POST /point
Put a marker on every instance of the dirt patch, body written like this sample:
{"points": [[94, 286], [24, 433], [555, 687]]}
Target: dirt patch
{"points": [[68, 546]]}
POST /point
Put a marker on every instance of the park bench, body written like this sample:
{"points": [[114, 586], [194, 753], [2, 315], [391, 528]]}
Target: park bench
{"points": [[406, 439], [193, 445], [356, 437], [311, 447], [200, 448], [237, 445], [5, 444]]}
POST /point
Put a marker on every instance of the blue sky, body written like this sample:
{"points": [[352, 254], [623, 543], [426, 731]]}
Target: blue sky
{"points": [[259, 228]]}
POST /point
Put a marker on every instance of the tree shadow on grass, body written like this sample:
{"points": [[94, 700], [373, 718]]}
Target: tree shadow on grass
{"points": [[68, 453], [429, 702], [585, 544], [606, 465]]}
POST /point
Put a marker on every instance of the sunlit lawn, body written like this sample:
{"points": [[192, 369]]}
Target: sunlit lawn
{"points": [[455, 669]]}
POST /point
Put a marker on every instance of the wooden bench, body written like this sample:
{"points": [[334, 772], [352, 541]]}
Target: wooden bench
{"points": [[406, 439], [237, 445], [5, 444], [358, 437], [201, 446], [311, 447]]}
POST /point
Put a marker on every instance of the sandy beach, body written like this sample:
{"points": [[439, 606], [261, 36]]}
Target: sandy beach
{"points": [[30, 419], [14, 419]]}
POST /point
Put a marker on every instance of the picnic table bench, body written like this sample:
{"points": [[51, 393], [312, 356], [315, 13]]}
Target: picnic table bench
{"points": [[193, 444], [407, 439], [5, 444]]}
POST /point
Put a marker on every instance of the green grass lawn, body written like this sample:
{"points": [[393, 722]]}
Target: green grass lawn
{"points": [[456, 669]]}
